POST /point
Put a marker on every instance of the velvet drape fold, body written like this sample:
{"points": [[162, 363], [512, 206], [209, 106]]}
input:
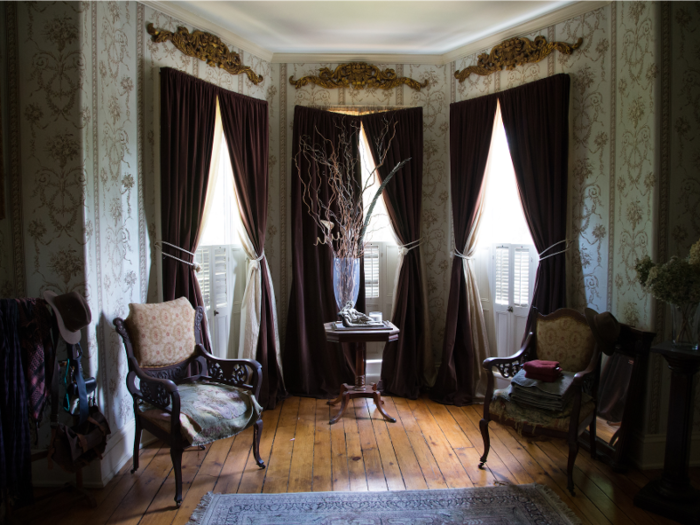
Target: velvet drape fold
{"points": [[536, 120], [471, 127], [403, 370], [187, 116], [245, 122], [313, 367]]}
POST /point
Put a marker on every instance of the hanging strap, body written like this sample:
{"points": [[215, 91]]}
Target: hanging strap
{"points": [[75, 352]]}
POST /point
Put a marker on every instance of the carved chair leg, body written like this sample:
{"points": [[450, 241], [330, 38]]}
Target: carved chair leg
{"points": [[484, 427], [137, 445], [573, 452], [176, 455], [257, 431]]}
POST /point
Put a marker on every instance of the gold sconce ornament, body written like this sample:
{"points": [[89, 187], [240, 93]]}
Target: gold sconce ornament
{"points": [[515, 52], [357, 75], [207, 47]]}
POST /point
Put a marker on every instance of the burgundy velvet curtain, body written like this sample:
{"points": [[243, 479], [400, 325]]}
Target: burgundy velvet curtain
{"points": [[187, 116], [313, 367], [245, 122], [471, 126], [402, 367], [536, 119]]}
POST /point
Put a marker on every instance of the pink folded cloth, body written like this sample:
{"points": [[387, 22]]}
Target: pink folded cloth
{"points": [[548, 371]]}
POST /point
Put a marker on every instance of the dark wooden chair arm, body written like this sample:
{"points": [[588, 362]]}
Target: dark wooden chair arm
{"points": [[509, 366], [241, 373]]}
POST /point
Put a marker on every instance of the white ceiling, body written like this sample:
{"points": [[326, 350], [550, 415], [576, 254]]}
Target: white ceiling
{"points": [[357, 27]]}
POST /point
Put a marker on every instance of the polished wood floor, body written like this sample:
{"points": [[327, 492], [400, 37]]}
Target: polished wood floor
{"points": [[431, 446]]}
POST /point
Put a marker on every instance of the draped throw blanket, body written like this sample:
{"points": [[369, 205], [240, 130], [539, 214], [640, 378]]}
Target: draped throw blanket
{"points": [[312, 366], [407, 363], [15, 443], [536, 121]]}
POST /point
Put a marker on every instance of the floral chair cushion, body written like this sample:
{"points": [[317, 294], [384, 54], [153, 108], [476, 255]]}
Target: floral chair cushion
{"points": [[162, 333], [208, 412], [503, 409], [566, 340]]}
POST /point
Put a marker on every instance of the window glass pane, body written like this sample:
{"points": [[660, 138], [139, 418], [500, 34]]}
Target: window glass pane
{"points": [[379, 229], [503, 219]]}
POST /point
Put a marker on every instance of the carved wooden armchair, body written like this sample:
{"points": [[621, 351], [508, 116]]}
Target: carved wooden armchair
{"points": [[182, 394], [562, 336]]}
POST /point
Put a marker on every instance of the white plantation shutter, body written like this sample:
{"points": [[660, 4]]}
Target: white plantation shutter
{"points": [[371, 271], [521, 277], [220, 288], [502, 274], [203, 257]]}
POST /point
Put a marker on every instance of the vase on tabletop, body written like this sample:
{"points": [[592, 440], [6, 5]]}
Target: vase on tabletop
{"points": [[346, 281], [685, 321]]}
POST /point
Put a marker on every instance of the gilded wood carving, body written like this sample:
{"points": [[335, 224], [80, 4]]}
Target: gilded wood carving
{"points": [[515, 52], [207, 47], [357, 75]]}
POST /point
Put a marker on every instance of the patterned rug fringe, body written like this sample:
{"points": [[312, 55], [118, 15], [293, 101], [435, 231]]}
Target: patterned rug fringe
{"points": [[199, 513], [556, 502]]}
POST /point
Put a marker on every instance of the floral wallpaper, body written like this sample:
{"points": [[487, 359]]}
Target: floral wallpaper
{"points": [[81, 134]]}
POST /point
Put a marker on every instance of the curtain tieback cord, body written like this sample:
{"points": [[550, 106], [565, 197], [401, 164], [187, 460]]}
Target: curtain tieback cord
{"points": [[567, 246], [459, 254], [197, 267], [405, 248]]}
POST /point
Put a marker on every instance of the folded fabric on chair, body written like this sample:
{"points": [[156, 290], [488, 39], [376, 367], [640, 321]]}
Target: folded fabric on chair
{"points": [[541, 370], [553, 395]]}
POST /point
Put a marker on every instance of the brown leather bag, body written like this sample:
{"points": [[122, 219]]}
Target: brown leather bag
{"points": [[75, 447]]}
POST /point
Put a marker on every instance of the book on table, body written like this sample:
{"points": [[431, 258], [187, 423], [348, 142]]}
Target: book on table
{"points": [[380, 325]]}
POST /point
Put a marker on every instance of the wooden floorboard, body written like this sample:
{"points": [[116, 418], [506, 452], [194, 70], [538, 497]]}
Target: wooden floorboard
{"points": [[431, 446]]}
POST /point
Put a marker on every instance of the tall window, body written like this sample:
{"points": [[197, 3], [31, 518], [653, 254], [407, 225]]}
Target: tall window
{"points": [[506, 258], [222, 277]]}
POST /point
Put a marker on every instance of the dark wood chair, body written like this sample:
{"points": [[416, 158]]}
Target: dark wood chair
{"points": [[158, 393], [562, 336]]}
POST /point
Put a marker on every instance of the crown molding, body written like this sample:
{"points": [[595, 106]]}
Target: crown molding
{"points": [[343, 58], [572, 10], [562, 14], [174, 10]]}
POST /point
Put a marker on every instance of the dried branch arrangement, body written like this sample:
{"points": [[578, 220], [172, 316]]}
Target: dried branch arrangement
{"points": [[340, 216]]}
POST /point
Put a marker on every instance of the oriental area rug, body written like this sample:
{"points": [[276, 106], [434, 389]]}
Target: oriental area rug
{"points": [[502, 505]]}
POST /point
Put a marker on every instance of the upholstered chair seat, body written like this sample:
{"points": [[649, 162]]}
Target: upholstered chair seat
{"points": [[562, 336], [183, 394]]}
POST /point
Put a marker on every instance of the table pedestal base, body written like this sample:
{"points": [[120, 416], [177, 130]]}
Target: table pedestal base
{"points": [[348, 392], [683, 506]]}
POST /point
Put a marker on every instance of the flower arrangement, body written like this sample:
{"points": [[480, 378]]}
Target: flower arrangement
{"points": [[676, 282]]}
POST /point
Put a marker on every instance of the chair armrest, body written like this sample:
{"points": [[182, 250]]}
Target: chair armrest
{"points": [[161, 393], [509, 366], [233, 372]]}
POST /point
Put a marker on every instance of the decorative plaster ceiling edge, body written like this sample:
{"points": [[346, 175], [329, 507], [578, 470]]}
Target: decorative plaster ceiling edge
{"points": [[174, 10], [566, 12], [344, 58], [562, 14]]}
